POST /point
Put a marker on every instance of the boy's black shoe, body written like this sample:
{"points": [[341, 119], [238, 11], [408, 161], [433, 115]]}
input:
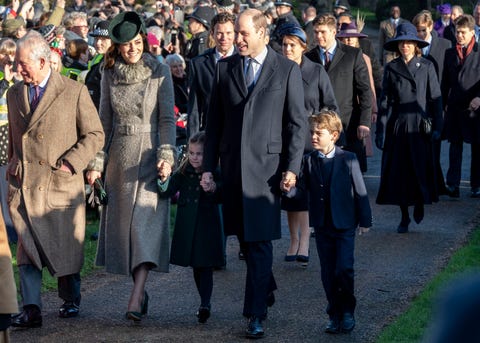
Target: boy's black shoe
{"points": [[333, 326], [348, 322], [453, 191]]}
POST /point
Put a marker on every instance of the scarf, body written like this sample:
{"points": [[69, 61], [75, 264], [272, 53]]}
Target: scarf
{"points": [[462, 55]]}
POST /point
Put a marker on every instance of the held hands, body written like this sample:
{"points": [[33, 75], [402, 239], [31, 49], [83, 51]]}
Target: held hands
{"points": [[289, 180], [164, 170], [474, 104], [207, 182]]}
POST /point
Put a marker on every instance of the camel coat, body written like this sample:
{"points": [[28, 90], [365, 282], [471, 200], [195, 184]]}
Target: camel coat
{"points": [[47, 205], [136, 109], [8, 290]]}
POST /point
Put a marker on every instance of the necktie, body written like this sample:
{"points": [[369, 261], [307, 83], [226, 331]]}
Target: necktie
{"points": [[35, 98], [327, 60], [250, 75]]}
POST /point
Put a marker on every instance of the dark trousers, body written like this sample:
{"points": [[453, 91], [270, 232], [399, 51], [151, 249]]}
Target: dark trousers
{"points": [[454, 172], [335, 249], [31, 285], [204, 281], [260, 281]]}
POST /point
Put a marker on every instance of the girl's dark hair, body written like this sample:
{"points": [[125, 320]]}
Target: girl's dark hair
{"points": [[112, 52], [198, 138]]}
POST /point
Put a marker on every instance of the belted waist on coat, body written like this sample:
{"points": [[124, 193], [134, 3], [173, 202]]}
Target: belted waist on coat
{"points": [[133, 129]]}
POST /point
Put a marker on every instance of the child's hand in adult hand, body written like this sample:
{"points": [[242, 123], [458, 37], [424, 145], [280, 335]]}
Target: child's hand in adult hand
{"points": [[164, 170], [207, 182]]}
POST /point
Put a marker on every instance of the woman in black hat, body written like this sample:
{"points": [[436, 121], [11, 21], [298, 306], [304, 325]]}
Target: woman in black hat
{"points": [[136, 109], [410, 101], [318, 95]]}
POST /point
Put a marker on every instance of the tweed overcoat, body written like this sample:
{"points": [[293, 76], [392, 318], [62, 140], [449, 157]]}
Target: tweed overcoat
{"points": [[8, 290], [47, 205], [408, 174], [198, 236], [257, 136], [136, 109]]}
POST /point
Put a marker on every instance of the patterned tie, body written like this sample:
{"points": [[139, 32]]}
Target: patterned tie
{"points": [[35, 98], [327, 60], [250, 75]]}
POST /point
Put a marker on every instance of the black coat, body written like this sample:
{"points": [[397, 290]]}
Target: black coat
{"points": [[198, 236], [408, 175], [256, 136], [436, 54], [200, 79], [460, 84]]}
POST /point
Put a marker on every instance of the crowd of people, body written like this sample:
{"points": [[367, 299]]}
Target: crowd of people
{"points": [[270, 114]]}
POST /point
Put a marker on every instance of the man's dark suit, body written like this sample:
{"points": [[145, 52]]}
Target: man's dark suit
{"points": [[460, 84], [200, 78], [438, 46], [256, 136], [351, 84]]}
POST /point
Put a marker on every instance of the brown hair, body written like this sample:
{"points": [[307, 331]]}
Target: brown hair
{"points": [[222, 18], [424, 17], [258, 19], [325, 19], [112, 52], [297, 40], [76, 47], [198, 138], [8, 46], [326, 119], [465, 21]]}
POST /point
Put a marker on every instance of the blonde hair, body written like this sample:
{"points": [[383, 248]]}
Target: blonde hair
{"points": [[8, 46], [326, 119]]}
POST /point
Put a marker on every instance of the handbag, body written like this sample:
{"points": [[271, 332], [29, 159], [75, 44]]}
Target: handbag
{"points": [[98, 196]]}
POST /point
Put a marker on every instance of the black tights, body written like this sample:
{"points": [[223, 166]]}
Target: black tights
{"points": [[204, 281]]}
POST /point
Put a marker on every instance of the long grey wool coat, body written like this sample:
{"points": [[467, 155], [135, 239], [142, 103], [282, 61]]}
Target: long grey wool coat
{"points": [[136, 110], [47, 205]]}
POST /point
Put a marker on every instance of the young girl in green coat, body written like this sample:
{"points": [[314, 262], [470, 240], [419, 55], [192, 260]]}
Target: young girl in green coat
{"points": [[198, 236]]}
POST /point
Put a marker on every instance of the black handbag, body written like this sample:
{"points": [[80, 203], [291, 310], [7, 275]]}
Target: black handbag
{"points": [[98, 196]]}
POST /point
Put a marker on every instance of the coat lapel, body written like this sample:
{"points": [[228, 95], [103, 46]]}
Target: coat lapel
{"points": [[53, 89], [399, 67], [266, 72], [337, 58], [238, 76]]}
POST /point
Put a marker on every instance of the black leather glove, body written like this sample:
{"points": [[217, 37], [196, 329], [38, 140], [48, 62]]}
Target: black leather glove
{"points": [[379, 140]]}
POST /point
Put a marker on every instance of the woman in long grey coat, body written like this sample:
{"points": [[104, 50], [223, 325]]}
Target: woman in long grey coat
{"points": [[411, 94], [136, 109]]}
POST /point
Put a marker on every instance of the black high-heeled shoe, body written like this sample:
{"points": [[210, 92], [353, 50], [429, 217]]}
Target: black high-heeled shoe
{"points": [[137, 316], [203, 314]]}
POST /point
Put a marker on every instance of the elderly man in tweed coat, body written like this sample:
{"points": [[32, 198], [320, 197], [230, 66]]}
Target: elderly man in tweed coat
{"points": [[54, 132]]}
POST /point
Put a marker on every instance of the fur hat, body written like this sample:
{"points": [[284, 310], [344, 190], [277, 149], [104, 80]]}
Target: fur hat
{"points": [[125, 27], [101, 29], [405, 31], [203, 15]]}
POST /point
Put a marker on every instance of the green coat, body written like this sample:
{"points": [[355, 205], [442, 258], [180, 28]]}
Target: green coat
{"points": [[198, 237]]}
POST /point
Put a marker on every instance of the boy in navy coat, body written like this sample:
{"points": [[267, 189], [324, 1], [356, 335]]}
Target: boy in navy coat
{"points": [[338, 205]]}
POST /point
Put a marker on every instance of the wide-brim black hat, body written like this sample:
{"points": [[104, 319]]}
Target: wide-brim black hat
{"points": [[125, 27], [405, 31], [203, 15], [101, 29]]}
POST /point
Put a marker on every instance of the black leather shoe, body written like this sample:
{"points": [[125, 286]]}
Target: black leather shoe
{"points": [[68, 310], [418, 213], [403, 226], [203, 314], [30, 317], [475, 192], [333, 326], [348, 323], [241, 256], [255, 328], [453, 191]]}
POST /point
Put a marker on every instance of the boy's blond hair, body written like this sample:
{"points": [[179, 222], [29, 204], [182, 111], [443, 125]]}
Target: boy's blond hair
{"points": [[326, 119]]}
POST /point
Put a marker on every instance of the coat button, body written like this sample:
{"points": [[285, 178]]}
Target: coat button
{"points": [[25, 137], [40, 188], [41, 163], [25, 187], [40, 136]]}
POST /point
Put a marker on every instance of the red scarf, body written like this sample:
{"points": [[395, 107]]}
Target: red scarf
{"points": [[462, 56]]}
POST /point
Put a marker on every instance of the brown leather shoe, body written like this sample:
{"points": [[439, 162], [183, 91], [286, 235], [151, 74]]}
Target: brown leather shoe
{"points": [[30, 317]]}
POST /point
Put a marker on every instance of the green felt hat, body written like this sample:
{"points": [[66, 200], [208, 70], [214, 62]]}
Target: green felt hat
{"points": [[125, 27]]}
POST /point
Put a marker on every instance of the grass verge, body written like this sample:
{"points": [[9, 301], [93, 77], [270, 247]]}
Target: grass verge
{"points": [[411, 325]]}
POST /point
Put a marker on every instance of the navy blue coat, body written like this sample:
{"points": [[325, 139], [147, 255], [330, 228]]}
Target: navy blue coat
{"points": [[408, 175], [460, 84], [349, 203], [256, 136]]}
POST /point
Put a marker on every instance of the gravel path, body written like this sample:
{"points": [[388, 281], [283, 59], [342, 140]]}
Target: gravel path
{"points": [[390, 270]]}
